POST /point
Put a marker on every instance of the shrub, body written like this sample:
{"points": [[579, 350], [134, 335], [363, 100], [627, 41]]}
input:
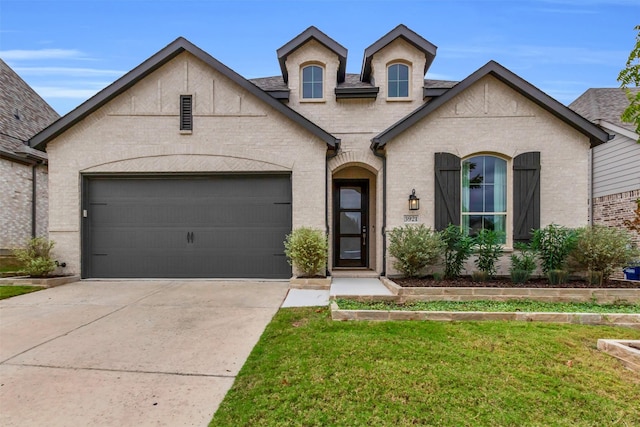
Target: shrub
{"points": [[522, 264], [602, 249], [414, 247], [306, 250], [554, 244], [36, 257], [457, 250], [489, 251]]}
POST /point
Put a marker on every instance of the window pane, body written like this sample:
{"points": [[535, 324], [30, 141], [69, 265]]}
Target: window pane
{"points": [[349, 248], [393, 89], [312, 82], [350, 198], [350, 222], [307, 89], [317, 90], [403, 89], [403, 72], [475, 200], [472, 224], [317, 74], [307, 74]]}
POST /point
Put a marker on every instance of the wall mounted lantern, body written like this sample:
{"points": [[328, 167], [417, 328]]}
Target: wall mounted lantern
{"points": [[414, 202]]}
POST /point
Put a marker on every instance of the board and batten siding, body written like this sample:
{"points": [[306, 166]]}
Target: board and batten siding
{"points": [[616, 166]]}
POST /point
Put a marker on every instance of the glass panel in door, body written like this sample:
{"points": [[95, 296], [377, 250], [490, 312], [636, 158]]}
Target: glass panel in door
{"points": [[350, 223]]}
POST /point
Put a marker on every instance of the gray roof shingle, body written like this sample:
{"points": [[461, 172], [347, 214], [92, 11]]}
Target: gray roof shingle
{"points": [[23, 113], [605, 104]]}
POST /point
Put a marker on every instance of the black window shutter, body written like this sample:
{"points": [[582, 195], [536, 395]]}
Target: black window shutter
{"points": [[526, 195], [186, 112], [447, 191]]}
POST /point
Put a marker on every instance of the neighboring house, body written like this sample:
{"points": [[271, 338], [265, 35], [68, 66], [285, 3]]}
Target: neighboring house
{"points": [[615, 171], [23, 170], [183, 168]]}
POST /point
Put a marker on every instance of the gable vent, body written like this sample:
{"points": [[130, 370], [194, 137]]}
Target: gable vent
{"points": [[186, 112]]}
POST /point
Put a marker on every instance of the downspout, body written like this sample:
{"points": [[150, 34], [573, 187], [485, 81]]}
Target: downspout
{"points": [[330, 155], [382, 155], [33, 199], [591, 193]]}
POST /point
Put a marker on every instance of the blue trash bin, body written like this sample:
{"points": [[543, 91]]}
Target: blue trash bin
{"points": [[632, 273]]}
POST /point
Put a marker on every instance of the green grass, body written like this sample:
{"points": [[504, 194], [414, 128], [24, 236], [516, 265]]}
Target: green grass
{"points": [[12, 291], [492, 306], [308, 370]]}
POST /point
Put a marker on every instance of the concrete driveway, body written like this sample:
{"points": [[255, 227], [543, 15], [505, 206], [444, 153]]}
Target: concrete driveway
{"points": [[128, 353]]}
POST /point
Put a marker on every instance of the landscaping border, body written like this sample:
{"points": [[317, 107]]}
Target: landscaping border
{"points": [[608, 319], [600, 295], [45, 282]]}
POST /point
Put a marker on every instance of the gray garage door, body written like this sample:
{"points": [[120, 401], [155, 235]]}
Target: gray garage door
{"points": [[213, 226]]}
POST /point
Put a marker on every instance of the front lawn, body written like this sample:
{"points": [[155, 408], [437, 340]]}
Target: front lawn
{"points": [[492, 306], [12, 291], [308, 370]]}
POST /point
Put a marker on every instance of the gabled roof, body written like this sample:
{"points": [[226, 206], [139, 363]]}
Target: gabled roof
{"points": [[153, 63], [401, 31], [23, 113], [596, 135], [308, 34], [604, 104]]}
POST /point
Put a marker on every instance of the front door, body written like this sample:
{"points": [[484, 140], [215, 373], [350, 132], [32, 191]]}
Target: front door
{"points": [[350, 222]]}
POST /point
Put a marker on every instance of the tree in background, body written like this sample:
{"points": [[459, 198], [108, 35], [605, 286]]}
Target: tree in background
{"points": [[630, 77]]}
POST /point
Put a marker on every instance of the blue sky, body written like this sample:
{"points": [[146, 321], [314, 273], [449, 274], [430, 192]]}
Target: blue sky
{"points": [[68, 50]]}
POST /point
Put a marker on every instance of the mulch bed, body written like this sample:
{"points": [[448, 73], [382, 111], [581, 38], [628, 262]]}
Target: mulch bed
{"points": [[467, 282]]}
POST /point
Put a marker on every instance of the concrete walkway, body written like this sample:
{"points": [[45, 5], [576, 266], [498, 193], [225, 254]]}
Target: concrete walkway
{"points": [[339, 286], [128, 353]]}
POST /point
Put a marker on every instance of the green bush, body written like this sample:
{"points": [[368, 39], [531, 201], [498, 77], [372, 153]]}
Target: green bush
{"points": [[414, 247], [306, 251], [35, 258], [554, 243], [603, 249], [458, 248], [523, 264], [489, 250]]}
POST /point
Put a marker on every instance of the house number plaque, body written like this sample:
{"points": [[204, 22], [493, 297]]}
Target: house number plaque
{"points": [[410, 218]]}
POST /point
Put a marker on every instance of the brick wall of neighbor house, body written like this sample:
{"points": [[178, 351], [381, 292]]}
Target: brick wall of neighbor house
{"points": [[612, 210], [16, 196], [490, 117], [138, 131]]}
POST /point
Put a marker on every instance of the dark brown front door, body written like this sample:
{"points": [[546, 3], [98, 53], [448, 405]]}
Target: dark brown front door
{"points": [[350, 222]]}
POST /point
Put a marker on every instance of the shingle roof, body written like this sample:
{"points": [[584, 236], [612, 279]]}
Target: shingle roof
{"points": [[23, 113], [605, 104]]}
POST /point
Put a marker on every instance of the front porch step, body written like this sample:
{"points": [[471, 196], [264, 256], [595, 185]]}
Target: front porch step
{"points": [[368, 274]]}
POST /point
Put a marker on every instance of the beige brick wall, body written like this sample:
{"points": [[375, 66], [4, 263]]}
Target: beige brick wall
{"points": [[16, 198], [139, 132], [491, 118]]}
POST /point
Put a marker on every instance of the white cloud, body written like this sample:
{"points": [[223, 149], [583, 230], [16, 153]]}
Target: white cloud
{"points": [[64, 92], [25, 55], [66, 71]]}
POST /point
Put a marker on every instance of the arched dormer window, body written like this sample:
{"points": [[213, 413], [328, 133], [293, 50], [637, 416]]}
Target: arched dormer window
{"points": [[312, 82], [398, 81]]}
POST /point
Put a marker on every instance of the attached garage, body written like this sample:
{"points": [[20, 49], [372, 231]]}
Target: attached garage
{"points": [[211, 226]]}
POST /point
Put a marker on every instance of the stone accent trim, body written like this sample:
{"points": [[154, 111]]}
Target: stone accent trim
{"points": [[49, 282], [621, 350], [626, 320]]}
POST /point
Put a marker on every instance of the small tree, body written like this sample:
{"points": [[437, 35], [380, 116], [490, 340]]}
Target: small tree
{"points": [[414, 247], [36, 257], [601, 250], [458, 248], [306, 250], [489, 251], [630, 77]]}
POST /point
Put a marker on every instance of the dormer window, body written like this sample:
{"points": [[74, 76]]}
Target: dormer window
{"points": [[398, 81], [312, 82]]}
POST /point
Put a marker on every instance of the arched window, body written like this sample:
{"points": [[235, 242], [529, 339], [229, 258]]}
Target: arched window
{"points": [[398, 81], [312, 82], [484, 194]]}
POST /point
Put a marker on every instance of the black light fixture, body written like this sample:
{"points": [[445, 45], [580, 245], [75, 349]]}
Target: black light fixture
{"points": [[414, 202]]}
